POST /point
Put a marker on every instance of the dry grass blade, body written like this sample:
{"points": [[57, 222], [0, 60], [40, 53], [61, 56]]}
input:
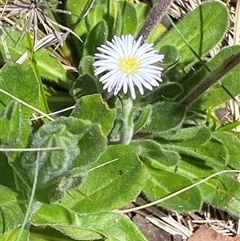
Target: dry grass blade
{"points": [[26, 104], [54, 113], [46, 41], [30, 149], [165, 222], [33, 16], [4, 42]]}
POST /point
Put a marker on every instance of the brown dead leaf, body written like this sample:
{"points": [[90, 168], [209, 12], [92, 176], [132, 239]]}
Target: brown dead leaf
{"points": [[204, 233]]}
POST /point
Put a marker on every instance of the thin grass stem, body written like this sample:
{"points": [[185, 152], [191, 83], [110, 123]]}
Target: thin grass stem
{"points": [[27, 215], [176, 193], [26, 104], [32, 59]]}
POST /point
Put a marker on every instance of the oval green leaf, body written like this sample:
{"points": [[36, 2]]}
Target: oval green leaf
{"points": [[162, 183], [201, 28], [165, 116], [95, 226], [114, 181]]}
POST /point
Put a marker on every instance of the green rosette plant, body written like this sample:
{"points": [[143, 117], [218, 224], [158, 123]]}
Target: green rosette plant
{"points": [[140, 101]]}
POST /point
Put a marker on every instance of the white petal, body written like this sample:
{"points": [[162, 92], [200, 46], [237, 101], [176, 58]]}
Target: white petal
{"points": [[108, 75], [138, 84], [119, 85], [132, 90], [125, 85], [143, 82]]}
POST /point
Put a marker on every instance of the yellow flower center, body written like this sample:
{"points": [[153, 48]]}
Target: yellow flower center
{"points": [[129, 66]]}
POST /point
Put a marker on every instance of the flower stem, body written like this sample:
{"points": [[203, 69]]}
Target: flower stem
{"points": [[33, 62], [127, 126]]}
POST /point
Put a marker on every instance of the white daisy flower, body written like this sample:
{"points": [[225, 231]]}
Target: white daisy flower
{"points": [[126, 64]]}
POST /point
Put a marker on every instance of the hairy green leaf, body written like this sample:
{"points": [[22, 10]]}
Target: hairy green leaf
{"points": [[202, 29], [160, 185], [95, 226], [81, 143], [12, 209], [12, 235], [193, 136], [52, 164], [84, 85], [200, 161], [165, 116], [166, 91], [91, 108], [117, 176], [149, 150], [129, 17], [232, 143], [21, 82], [97, 36]]}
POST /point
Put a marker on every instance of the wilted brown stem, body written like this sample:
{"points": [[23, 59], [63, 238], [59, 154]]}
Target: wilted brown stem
{"points": [[154, 17], [217, 74]]}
